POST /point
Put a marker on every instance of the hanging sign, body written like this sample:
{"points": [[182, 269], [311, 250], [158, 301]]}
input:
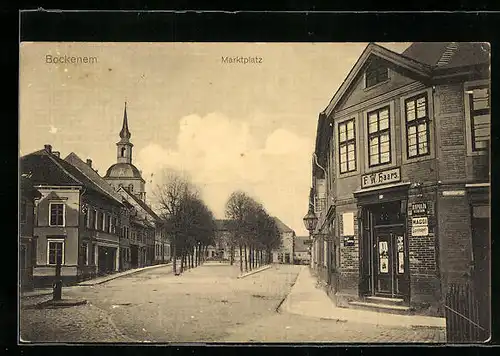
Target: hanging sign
{"points": [[419, 209], [420, 230], [349, 241], [384, 177], [421, 221]]}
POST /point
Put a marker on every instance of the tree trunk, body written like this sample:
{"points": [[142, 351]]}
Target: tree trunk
{"points": [[174, 256], [231, 254], [246, 261], [182, 263], [241, 260], [192, 259]]}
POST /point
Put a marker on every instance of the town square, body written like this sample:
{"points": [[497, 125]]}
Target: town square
{"points": [[288, 193]]}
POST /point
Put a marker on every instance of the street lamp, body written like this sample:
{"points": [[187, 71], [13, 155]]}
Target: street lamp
{"points": [[310, 220]]}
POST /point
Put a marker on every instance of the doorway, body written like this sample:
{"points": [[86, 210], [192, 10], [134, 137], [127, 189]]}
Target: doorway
{"points": [[390, 263], [384, 251]]}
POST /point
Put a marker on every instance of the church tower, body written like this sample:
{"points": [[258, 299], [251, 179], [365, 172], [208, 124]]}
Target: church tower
{"points": [[124, 146], [123, 173]]}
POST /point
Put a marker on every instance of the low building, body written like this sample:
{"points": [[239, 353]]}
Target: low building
{"points": [[301, 253], [27, 247], [285, 253], [401, 178]]}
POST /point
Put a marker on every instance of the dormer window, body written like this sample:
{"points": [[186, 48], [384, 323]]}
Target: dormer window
{"points": [[376, 72]]}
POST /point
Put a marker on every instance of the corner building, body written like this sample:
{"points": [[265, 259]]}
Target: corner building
{"points": [[401, 178]]}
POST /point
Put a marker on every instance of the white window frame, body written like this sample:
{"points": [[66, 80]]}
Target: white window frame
{"points": [[468, 119], [357, 136], [55, 240], [63, 213], [393, 139], [432, 132], [347, 142]]}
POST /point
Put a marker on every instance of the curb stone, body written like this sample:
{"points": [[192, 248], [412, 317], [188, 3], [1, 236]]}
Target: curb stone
{"points": [[254, 271]]}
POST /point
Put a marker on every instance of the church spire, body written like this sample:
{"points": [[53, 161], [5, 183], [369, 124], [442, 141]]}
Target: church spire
{"points": [[125, 133]]}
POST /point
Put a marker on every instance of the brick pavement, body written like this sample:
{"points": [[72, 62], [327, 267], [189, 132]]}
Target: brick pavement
{"points": [[205, 304]]}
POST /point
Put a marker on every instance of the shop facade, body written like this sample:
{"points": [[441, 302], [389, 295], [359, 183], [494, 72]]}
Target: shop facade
{"points": [[401, 172]]}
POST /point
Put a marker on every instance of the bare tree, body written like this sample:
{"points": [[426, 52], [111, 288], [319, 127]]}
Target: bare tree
{"points": [[173, 190]]}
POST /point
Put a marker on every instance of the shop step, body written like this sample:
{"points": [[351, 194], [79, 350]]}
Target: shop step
{"points": [[385, 308], [384, 300]]}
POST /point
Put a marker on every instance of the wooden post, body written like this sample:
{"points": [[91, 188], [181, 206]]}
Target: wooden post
{"points": [[57, 288]]}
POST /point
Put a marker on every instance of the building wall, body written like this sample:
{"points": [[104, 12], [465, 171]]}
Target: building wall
{"points": [[26, 241], [445, 253], [43, 272]]}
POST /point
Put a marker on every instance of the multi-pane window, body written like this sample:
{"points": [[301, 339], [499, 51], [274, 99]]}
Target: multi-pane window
{"points": [[417, 126], [379, 137], [376, 73], [479, 102], [347, 146], [56, 214], [55, 251]]}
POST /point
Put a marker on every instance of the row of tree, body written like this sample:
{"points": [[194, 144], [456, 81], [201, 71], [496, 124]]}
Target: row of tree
{"points": [[190, 223], [251, 230], [192, 227]]}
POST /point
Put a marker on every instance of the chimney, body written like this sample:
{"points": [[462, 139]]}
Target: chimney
{"points": [[57, 154], [48, 148], [89, 162]]}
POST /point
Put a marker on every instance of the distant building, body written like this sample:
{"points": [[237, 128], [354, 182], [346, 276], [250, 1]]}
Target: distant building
{"points": [[284, 254], [302, 253]]}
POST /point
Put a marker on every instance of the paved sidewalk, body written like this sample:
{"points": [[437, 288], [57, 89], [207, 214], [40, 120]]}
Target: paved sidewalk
{"points": [[92, 282], [307, 300]]}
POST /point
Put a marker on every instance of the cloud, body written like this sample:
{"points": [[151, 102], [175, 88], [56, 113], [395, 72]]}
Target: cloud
{"points": [[221, 155]]}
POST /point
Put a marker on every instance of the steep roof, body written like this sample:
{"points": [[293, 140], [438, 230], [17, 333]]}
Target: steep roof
{"points": [[141, 203], [421, 60], [409, 65], [45, 169], [48, 169], [281, 226], [92, 175], [27, 188], [300, 245], [449, 54]]}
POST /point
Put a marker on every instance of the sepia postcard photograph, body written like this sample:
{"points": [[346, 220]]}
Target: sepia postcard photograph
{"points": [[254, 192]]}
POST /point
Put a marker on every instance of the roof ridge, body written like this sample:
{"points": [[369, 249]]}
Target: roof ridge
{"points": [[143, 204], [51, 157], [90, 178]]}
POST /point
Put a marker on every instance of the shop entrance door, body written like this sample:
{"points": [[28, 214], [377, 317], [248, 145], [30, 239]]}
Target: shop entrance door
{"points": [[390, 263]]}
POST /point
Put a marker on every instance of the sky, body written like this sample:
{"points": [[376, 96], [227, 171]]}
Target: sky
{"points": [[230, 126]]}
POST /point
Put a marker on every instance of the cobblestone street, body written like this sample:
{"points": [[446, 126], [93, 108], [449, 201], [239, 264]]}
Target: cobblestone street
{"points": [[205, 304]]}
